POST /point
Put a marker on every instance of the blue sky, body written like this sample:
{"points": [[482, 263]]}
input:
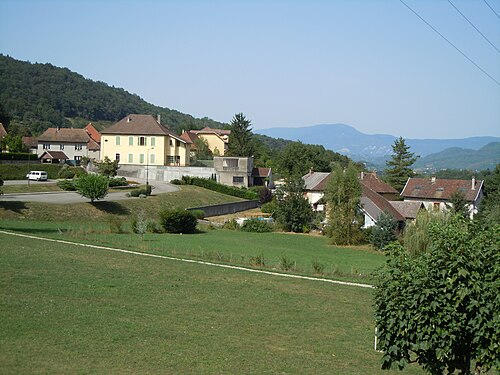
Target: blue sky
{"points": [[370, 64]]}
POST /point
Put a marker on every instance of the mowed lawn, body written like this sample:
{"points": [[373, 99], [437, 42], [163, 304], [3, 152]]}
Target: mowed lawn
{"points": [[69, 309]]}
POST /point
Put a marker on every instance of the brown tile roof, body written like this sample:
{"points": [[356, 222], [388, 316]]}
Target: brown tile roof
{"points": [[64, 135], [189, 137], [374, 204], [3, 132], [441, 189], [93, 133], [30, 141], [371, 181], [93, 145], [54, 155], [408, 209], [261, 172], [140, 125], [212, 131]]}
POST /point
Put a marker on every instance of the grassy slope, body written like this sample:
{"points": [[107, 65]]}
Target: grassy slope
{"points": [[67, 309]]}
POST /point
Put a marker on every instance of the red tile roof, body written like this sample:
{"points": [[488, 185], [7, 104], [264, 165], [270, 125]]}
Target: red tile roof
{"points": [[373, 182], [93, 133], [213, 131], [189, 137], [30, 141], [441, 189]]}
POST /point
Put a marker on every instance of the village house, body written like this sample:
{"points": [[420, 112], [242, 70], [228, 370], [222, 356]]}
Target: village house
{"points": [[217, 139], [435, 193], [70, 144], [142, 140]]}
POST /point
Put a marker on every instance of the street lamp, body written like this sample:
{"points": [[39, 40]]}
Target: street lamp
{"points": [[147, 168]]}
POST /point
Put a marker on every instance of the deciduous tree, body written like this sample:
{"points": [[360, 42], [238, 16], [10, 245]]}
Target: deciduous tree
{"points": [[343, 194], [293, 211], [384, 232], [107, 167], [92, 186], [440, 308]]}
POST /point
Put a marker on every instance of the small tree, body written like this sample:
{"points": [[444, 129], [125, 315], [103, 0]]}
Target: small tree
{"points": [[293, 212], [202, 150], [92, 186], [384, 232], [240, 140], [107, 167], [459, 205], [140, 224], [398, 167], [440, 308], [342, 195]]}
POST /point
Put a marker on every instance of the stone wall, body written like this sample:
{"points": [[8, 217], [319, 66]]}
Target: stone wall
{"points": [[227, 208]]}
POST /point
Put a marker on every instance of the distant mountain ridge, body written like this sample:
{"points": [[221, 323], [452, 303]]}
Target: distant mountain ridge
{"points": [[373, 148]]}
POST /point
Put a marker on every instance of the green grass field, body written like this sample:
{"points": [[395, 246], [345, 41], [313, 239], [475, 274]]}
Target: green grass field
{"points": [[68, 309]]}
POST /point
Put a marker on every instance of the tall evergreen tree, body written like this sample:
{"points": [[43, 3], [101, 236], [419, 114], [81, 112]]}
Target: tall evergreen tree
{"points": [[398, 168], [240, 140], [343, 194]]}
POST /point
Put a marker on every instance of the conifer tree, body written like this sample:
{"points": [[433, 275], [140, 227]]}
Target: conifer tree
{"points": [[398, 168], [240, 140]]}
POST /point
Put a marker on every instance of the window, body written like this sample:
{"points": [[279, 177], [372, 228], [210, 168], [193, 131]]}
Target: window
{"points": [[46, 146], [78, 147], [130, 158], [130, 141], [153, 141], [177, 143], [435, 206], [118, 140], [238, 180], [141, 158], [229, 164], [171, 159], [78, 158], [170, 142], [142, 141], [61, 147], [151, 158], [117, 157]]}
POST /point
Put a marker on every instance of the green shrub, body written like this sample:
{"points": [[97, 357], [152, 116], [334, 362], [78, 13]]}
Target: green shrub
{"points": [[66, 172], [17, 156], [142, 191], [118, 181], [177, 182], [66, 185], [135, 193], [231, 225], [317, 267], [286, 264], [19, 171], [178, 221], [269, 207], [198, 214], [257, 226]]}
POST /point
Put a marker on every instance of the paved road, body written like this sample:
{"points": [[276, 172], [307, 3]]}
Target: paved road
{"points": [[65, 197]]}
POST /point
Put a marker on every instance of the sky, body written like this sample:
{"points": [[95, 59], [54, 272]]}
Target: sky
{"points": [[371, 64]]}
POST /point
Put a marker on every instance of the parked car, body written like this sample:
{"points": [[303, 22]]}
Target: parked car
{"points": [[37, 175]]}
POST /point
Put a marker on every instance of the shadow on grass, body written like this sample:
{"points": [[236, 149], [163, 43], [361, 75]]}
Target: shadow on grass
{"points": [[14, 206], [111, 208], [36, 230]]}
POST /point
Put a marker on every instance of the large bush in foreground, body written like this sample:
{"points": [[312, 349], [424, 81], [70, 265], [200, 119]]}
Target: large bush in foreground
{"points": [[178, 221], [92, 186], [440, 308]]}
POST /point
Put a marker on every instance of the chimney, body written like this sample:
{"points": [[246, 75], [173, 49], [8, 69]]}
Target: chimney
{"points": [[473, 186], [58, 128], [311, 171], [362, 175], [433, 179], [158, 118], [129, 119]]}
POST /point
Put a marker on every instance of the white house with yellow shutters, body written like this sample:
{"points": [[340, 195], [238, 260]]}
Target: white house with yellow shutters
{"points": [[142, 140]]}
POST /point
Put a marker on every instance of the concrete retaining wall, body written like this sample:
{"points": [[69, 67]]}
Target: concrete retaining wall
{"points": [[164, 173], [227, 208]]}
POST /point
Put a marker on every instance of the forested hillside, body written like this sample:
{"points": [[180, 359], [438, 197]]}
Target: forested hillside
{"points": [[34, 97]]}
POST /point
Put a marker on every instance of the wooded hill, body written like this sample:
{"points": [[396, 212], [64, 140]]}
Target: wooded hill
{"points": [[34, 97]]}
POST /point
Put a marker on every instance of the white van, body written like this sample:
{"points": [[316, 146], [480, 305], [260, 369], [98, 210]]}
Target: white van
{"points": [[37, 176]]}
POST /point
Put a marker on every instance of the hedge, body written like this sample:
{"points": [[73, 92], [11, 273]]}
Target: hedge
{"points": [[18, 156], [19, 171], [220, 188]]}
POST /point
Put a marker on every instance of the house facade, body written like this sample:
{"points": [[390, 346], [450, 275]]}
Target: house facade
{"points": [[436, 193], [142, 140], [74, 143], [234, 171], [217, 139]]}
